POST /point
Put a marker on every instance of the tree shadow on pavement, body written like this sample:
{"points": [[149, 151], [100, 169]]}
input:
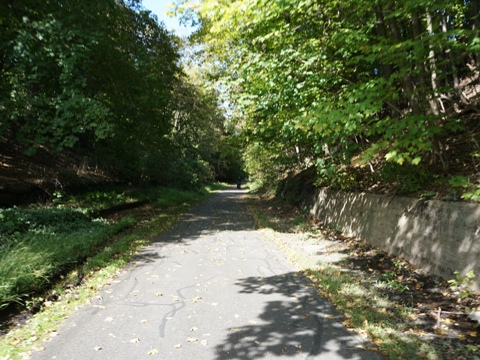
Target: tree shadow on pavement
{"points": [[306, 326], [224, 213]]}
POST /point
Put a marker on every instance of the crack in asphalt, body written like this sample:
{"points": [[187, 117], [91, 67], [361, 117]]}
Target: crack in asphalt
{"points": [[170, 315]]}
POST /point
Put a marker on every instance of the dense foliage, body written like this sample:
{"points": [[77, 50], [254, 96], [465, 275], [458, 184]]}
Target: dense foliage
{"points": [[103, 78], [382, 88]]}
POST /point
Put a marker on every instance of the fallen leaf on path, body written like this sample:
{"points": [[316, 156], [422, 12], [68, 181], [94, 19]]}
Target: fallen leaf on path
{"points": [[98, 348], [204, 343], [196, 299], [152, 352], [134, 341], [192, 340], [158, 294], [193, 328], [144, 321], [109, 318], [237, 316], [178, 346]]}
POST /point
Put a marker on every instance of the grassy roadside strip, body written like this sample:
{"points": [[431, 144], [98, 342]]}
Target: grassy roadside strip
{"points": [[97, 270], [391, 326]]}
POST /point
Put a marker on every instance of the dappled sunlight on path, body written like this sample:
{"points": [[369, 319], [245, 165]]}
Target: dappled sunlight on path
{"points": [[211, 287]]}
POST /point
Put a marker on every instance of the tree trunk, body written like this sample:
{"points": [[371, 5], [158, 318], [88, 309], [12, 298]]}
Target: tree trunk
{"points": [[433, 70], [387, 68], [476, 24], [456, 81], [423, 85], [407, 81], [438, 148]]}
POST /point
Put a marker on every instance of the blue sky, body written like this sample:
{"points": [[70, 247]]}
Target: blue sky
{"points": [[159, 8]]}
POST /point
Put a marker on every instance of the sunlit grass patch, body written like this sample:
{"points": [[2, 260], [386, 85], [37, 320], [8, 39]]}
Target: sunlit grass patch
{"points": [[386, 323], [17, 343]]}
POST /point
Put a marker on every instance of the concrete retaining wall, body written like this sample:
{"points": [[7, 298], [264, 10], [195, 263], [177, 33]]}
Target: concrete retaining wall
{"points": [[438, 236]]}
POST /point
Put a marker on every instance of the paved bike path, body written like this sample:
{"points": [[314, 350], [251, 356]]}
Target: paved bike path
{"points": [[214, 288]]}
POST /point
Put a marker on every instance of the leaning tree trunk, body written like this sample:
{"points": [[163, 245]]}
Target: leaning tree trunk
{"points": [[436, 102], [438, 148], [423, 86]]}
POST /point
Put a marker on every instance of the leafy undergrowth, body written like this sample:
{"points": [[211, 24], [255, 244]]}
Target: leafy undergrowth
{"points": [[455, 178], [38, 245], [407, 313], [54, 259]]}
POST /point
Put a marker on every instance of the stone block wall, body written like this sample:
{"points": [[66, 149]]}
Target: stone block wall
{"points": [[440, 237]]}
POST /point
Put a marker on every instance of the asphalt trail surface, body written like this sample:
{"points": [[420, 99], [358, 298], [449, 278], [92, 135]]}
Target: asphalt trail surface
{"points": [[212, 287]]}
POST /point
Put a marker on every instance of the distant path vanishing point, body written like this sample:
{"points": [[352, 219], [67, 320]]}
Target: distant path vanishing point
{"points": [[211, 287]]}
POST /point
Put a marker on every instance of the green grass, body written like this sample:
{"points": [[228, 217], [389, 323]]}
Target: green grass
{"points": [[44, 244], [33, 258], [159, 196], [97, 199]]}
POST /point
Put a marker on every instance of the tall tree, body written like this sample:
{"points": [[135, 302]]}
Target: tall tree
{"points": [[331, 81]]}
